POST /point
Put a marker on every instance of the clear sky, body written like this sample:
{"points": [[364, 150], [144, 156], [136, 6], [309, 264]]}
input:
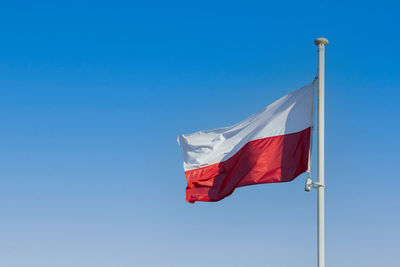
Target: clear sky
{"points": [[94, 94]]}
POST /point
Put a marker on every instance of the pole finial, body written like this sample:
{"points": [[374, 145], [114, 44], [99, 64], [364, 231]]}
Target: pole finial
{"points": [[321, 40]]}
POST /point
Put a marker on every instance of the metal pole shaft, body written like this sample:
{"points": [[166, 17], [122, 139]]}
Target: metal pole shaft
{"points": [[321, 43]]}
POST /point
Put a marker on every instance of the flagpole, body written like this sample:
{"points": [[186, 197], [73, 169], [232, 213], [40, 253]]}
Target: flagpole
{"points": [[321, 43]]}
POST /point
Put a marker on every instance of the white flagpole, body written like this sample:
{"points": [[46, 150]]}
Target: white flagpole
{"points": [[321, 43]]}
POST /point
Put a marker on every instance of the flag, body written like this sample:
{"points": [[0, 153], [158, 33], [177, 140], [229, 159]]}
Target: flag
{"points": [[270, 146]]}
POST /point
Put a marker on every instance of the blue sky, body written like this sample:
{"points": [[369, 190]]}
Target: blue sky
{"points": [[94, 94]]}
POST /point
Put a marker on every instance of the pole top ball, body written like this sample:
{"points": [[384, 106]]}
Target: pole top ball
{"points": [[321, 40]]}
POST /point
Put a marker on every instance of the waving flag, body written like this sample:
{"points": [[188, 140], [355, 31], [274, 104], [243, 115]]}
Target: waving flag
{"points": [[270, 146]]}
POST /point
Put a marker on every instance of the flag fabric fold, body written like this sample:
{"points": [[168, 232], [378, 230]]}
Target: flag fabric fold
{"points": [[270, 146]]}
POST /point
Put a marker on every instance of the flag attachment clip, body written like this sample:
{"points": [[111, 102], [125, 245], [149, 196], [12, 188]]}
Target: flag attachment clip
{"points": [[310, 184]]}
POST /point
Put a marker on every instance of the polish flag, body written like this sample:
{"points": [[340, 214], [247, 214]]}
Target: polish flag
{"points": [[270, 146]]}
